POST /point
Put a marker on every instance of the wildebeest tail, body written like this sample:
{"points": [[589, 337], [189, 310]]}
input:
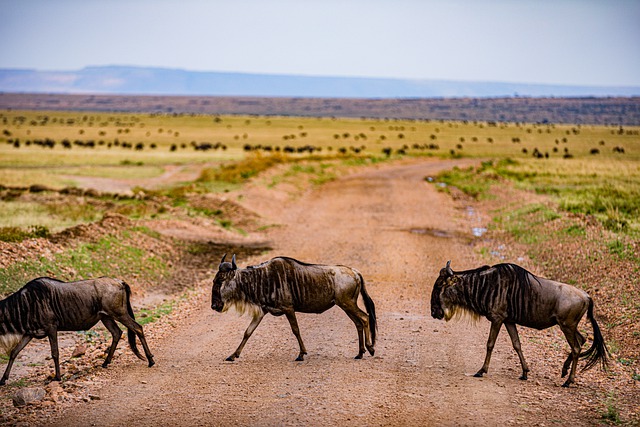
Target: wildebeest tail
{"points": [[371, 310], [598, 351], [131, 335]]}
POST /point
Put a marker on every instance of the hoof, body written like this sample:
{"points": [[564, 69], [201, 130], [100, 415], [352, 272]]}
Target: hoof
{"points": [[359, 356], [563, 374], [523, 377], [3, 382], [151, 362], [371, 351], [300, 359], [230, 359], [105, 364], [478, 374]]}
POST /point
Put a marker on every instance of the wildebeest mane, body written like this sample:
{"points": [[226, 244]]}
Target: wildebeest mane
{"points": [[269, 282], [482, 286], [281, 257], [504, 270]]}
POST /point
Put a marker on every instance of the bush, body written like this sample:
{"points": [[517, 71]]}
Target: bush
{"points": [[243, 170], [17, 234]]}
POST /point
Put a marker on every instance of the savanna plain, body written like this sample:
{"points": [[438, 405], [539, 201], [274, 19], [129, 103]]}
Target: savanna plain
{"points": [[157, 199]]}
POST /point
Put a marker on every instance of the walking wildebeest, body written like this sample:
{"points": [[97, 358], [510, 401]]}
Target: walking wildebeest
{"points": [[509, 294], [283, 286], [45, 306]]}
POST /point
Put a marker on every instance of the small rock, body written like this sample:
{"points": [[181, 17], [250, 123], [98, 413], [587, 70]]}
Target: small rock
{"points": [[26, 396], [55, 391], [80, 350]]}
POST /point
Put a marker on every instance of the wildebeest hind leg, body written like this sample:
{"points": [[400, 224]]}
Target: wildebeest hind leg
{"points": [[491, 342], [359, 327], [567, 363], [361, 320], [575, 344], [12, 356], [135, 328], [291, 317], [257, 318], [515, 340], [116, 333]]}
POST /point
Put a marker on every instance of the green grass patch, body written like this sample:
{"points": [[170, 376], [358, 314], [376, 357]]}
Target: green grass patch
{"points": [[242, 170], [623, 250], [608, 190], [109, 256], [473, 181], [318, 172], [523, 223], [146, 316], [575, 230], [612, 412], [75, 212], [17, 234]]}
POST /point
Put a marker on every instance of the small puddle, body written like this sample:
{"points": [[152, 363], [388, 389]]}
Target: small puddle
{"points": [[478, 231], [432, 232]]}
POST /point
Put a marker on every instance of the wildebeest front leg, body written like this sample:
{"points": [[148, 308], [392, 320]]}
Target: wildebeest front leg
{"points": [[515, 340], [55, 354], [12, 356], [291, 317], [491, 342], [257, 318], [116, 333]]}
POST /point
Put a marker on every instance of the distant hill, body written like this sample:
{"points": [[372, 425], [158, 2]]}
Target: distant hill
{"points": [[125, 80]]}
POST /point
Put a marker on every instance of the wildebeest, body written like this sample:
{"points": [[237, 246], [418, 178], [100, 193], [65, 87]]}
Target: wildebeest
{"points": [[508, 294], [45, 306], [284, 285]]}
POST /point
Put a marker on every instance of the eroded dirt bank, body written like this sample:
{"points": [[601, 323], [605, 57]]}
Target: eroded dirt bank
{"points": [[398, 231]]}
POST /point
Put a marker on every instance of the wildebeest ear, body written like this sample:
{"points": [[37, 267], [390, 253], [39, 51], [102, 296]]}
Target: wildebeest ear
{"points": [[448, 268], [233, 262]]}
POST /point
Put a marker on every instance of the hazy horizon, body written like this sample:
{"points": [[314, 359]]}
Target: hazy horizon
{"points": [[564, 42]]}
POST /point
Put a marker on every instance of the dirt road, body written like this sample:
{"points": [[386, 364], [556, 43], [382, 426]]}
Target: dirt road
{"points": [[398, 231]]}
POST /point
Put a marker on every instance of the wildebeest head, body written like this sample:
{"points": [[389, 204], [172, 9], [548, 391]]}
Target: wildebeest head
{"points": [[226, 273], [445, 279]]}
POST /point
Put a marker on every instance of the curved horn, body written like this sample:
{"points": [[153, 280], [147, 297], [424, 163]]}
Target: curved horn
{"points": [[233, 262], [223, 257], [448, 268]]}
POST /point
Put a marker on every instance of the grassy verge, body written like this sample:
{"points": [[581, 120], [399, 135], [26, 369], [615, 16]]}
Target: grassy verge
{"points": [[608, 191], [111, 255]]}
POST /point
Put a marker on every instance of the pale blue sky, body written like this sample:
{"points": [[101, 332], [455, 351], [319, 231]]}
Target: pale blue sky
{"points": [[581, 42]]}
